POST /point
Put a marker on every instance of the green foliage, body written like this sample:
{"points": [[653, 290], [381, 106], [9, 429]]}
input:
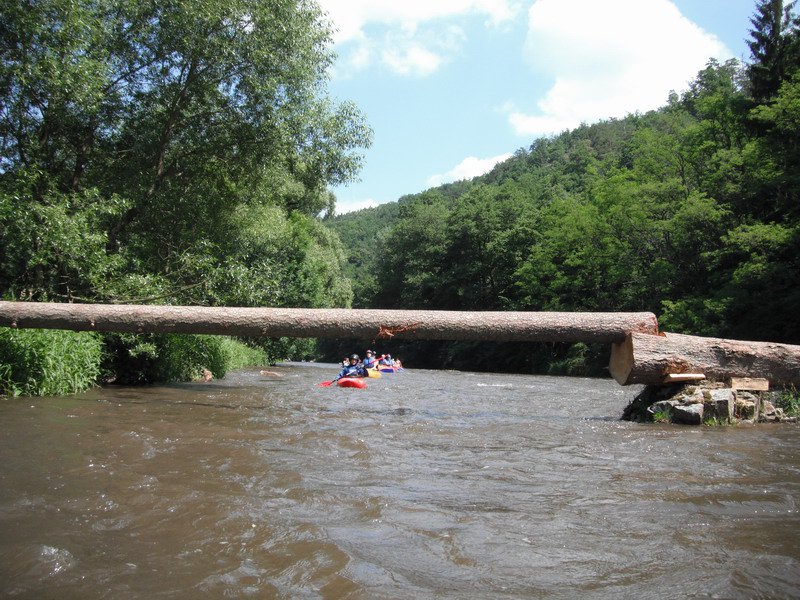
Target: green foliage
{"points": [[575, 363], [183, 357], [773, 46], [137, 359], [789, 401], [180, 153], [138, 139], [362, 233], [239, 355], [661, 416], [172, 152], [691, 212], [38, 362]]}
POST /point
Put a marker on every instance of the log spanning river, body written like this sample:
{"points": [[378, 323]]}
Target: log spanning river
{"points": [[425, 485]]}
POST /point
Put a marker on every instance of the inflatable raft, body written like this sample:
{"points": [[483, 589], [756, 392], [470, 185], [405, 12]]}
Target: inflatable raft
{"points": [[353, 382]]}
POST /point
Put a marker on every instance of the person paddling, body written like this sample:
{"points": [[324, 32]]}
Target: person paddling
{"points": [[370, 362], [354, 369]]}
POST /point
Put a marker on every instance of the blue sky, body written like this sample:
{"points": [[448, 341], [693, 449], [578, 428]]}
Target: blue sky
{"points": [[450, 87]]}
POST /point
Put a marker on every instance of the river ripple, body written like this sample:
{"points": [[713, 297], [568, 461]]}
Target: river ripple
{"points": [[426, 484]]}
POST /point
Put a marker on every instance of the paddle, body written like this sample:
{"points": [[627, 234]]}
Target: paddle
{"points": [[326, 383]]}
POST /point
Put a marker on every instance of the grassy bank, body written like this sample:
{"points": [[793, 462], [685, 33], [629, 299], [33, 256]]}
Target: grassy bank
{"points": [[38, 362]]}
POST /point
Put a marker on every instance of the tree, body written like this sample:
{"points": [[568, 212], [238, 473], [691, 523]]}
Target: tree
{"points": [[773, 158], [773, 47], [142, 126], [413, 259]]}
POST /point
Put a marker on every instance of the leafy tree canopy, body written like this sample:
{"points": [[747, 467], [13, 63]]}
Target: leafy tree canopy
{"points": [[170, 151]]}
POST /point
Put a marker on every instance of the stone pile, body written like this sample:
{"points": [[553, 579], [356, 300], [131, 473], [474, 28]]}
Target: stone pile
{"points": [[701, 402]]}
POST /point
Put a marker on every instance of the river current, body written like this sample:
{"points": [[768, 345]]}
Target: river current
{"points": [[427, 484]]}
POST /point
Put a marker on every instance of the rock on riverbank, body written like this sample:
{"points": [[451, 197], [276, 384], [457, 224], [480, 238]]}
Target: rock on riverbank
{"points": [[712, 403]]}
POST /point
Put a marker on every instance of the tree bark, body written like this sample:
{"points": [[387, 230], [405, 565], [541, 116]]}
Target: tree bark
{"points": [[331, 323], [648, 359]]}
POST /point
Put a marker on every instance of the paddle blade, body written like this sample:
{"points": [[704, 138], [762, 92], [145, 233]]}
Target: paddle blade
{"points": [[325, 384]]}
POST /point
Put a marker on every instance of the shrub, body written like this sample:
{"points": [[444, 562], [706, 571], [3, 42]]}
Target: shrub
{"points": [[39, 362], [239, 355], [42, 362], [789, 401], [577, 362], [149, 358]]}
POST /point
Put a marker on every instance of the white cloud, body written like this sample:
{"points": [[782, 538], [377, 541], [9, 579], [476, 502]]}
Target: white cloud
{"points": [[411, 59], [467, 169], [346, 206], [410, 37], [608, 59]]}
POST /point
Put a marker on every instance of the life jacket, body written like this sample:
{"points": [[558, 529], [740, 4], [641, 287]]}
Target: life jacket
{"points": [[369, 362], [350, 371]]}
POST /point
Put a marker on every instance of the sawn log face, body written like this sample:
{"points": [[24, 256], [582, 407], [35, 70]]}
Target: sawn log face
{"points": [[330, 323]]}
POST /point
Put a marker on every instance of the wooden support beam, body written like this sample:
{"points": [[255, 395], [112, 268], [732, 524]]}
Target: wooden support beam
{"points": [[679, 377], [644, 358], [750, 384], [330, 323]]}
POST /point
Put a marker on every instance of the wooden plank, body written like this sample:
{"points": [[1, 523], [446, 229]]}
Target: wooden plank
{"points": [[676, 377], [750, 384]]}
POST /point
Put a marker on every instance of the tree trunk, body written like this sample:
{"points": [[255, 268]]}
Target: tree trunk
{"points": [[644, 358], [330, 323]]}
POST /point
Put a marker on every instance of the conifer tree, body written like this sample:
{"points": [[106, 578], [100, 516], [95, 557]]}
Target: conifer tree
{"points": [[773, 47]]}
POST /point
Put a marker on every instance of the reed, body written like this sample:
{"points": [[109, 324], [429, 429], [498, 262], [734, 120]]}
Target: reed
{"points": [[43, 362]]}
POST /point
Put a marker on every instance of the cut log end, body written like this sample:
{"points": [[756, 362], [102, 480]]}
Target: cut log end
{"points": [[621, 362]]}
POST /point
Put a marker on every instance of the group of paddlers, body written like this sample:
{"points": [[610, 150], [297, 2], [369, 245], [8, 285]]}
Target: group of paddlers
{"points": [[353, 366]]}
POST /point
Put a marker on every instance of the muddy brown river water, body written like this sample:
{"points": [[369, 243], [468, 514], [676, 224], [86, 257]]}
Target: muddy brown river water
{"points": [[425, 485]]}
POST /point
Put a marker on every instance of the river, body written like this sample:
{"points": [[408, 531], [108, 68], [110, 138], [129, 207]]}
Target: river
{"points": [[427, 484]]}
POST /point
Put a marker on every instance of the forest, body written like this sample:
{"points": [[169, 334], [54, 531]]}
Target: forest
{"points": [[168, 152], [690, 211], [183, 153]]}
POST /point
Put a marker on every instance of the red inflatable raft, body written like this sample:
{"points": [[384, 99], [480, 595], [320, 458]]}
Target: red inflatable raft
{"points": [[353, 382]]}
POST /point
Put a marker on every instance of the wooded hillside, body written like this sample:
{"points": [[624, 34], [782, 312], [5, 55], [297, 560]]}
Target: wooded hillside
{"points": [[691, 212]]}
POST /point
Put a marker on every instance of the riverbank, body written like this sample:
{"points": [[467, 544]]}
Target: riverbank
{"points": [[711, 403], [52, 362]]}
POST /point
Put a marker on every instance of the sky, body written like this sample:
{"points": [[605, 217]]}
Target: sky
{"points": [[451, 87]]}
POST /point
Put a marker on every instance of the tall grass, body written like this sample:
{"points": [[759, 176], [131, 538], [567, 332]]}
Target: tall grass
{"points": [[789, 401], [43, 362], [150, 358], [239, 355]]}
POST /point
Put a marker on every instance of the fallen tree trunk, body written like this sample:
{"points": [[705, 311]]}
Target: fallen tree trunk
{"points": [[649, 359], [330, 323]]}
